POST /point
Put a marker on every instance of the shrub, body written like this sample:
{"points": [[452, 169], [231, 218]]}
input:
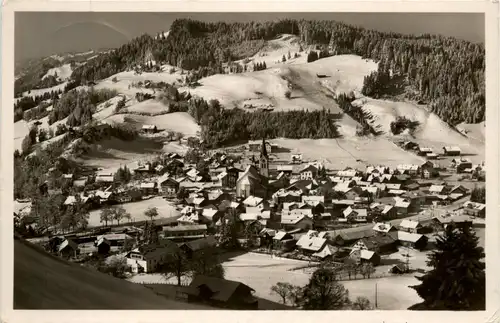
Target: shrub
{"points": [[288, 94]]}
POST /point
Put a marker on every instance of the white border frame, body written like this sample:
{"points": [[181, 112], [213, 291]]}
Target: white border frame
{"points": [[490, 9]]}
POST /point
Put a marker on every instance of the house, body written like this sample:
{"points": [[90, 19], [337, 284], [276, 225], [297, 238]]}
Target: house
{"points": [[168, 186], [436, 189], [474, 209], [251, 182], [149, 188], [310, 172], [103, 246], [256, 145], [221, 293], [389, 212], [313, 200], [383, 228], [365, 256], [326, 252], [283, 240], [379, 243], [197, 246], [296, 158], [349, 173], [348, 237], [284, 196], [398, 269], [115, 239], [423, 151], [451, 151], [402, 206], [186, 231], [355, 215], [296, 220], [458, 220], [68, 248], [428, 170], [105, 178], [149, 258], [410, 226], [311, 242], [463, 165], [229, 177], [147, 128], [412, 240], [432, 156], [253, 201], [354, 192], [458, 189]]}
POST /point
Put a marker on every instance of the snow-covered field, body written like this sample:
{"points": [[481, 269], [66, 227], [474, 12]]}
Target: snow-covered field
{"points": [[354, 152], [63, 72], [262, 271], [136, 209], [343, 74], [177, 121], [150, 107]]}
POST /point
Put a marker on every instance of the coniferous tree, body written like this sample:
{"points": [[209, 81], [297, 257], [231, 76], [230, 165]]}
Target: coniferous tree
{"points": [[457, 278]]}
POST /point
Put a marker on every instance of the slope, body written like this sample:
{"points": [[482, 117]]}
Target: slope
{"points": [[42, 281], [431, 132]]}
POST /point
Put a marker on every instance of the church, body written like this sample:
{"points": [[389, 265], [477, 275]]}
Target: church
{"points": [[253, 181]]}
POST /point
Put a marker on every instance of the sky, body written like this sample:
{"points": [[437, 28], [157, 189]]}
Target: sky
{"points": [[39, 34]]}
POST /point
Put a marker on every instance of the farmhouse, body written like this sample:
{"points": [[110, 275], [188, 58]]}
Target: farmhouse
{"points": [[68, 248], [310, 172], [383, 228], [310, 243], [451, 151], [357, 215], [194, 247], [348, 237], [221, 293], [410, 226], [148, 258], [149, 188], [413, 240], [378, 243], [423, 151], [104, 178], [149, 128], [296, 220], [458, 220], [187, 231], [364, 256], [327, 252], [168, 186], [474, 209]]}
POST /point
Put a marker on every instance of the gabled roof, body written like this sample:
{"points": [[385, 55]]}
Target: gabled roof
{"points": [[253, 201], [309, 168], [382, 227], [311, 243], [327, 250], [148, 185], [200, 244], [409, 224], [222, 289], [280, 235], [355, 235], [436, 188], [409, 237], [67, 243]]}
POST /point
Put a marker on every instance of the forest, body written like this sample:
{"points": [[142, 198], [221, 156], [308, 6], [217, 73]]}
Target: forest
{"points": [[447, 73], [221, 126]]}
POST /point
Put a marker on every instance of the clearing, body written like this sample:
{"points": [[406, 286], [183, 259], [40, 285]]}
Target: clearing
{"points": [[63, 72], [165, 208]]}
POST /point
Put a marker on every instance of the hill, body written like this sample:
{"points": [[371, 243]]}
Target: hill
{"points": [[42, 281]]}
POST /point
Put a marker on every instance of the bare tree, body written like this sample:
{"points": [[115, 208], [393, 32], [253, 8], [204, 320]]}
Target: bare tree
{"points": [[284, 290]]}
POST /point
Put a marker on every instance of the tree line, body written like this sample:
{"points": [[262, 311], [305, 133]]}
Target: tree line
{"points": [[447, 73], [220, 126]]}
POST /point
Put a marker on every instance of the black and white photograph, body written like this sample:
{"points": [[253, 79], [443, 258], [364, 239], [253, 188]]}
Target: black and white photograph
{"points": [[331, 161]]}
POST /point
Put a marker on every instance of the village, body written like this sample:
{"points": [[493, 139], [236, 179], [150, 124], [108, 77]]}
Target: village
{"points": [[380, 220]]}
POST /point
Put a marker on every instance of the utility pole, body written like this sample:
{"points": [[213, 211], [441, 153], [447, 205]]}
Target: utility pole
{"points": [[376, 295]]}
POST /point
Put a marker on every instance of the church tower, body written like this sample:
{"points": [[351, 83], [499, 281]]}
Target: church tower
{"points": [[264, 160]]}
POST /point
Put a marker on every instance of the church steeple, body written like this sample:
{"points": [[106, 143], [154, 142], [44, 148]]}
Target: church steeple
{"points": [[264, 159], [263, 150]]}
